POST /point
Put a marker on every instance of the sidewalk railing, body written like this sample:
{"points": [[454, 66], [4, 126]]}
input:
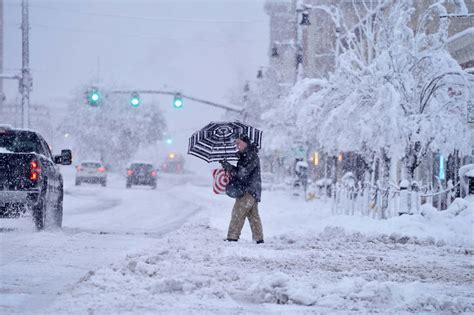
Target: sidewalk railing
{"points": [[385, 202]]}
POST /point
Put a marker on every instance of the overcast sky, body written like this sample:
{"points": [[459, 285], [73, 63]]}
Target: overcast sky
{"points": [[205, 48]]}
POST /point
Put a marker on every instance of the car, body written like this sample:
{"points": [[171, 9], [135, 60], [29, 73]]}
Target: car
{"points": [[173, 163], [141, 174], [30, 180], [91, 172]]}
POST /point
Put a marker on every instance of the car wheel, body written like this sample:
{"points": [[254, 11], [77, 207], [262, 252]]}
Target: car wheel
{"points": [[39, 214], [103, 183], [153, 186], [128, 185], [58, 214], [78, 182]]}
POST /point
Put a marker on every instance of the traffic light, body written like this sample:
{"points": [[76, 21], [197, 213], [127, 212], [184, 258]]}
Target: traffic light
{"points": [[93, 97], [135, 99], [178, 101]]}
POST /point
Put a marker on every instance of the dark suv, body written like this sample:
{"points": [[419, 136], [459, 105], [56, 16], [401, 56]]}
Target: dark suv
{"points": [[141, 174]]}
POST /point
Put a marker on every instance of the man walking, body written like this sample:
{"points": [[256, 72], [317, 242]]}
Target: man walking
{"points": [[247, 174]]}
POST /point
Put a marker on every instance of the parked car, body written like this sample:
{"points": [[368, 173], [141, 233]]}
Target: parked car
{"points": [[93, 172], [141, 174], [30, 180]]}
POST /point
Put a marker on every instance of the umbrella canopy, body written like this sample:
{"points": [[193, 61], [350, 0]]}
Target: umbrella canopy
{"points": [[216, 141]]}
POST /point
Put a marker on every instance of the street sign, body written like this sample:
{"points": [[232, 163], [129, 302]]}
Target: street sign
{"points": [[298, 152], [442, 173]]}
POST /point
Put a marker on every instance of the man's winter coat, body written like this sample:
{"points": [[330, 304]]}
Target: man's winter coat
{"points": [[247, 171]]}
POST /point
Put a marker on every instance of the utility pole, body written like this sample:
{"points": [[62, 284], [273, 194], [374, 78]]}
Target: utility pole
{"points": [[25, 81], [299, 42], [2, 96]]}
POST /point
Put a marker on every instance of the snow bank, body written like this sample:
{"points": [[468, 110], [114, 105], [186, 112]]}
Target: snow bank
{"points": [[4, 150], [283, 214], [311, 262], [195, 271]]}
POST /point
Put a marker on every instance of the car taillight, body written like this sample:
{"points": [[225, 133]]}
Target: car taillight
{"points": [[34, 171], [101, 169], [78, 168], [129, 172], [153, 173]]}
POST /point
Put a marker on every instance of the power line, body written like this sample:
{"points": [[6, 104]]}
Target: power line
{"points": [[149, 18], [119, 34]]}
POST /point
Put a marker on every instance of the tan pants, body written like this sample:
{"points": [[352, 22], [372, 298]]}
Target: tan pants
{"points": [[245, 207]]}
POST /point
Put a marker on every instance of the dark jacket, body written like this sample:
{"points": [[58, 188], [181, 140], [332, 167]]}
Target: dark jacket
{"points": [[247, 171]]}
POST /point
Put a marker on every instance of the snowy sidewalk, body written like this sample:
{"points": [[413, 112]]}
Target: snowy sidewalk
{"points": [[311, 262]]}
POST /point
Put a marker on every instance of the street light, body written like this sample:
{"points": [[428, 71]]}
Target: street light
{"points": [[276, 73], [299, 59], [275, 53], [305, 19]]}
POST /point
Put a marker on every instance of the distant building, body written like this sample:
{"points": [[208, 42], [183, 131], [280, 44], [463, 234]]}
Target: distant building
{"points": [[318, 41]]}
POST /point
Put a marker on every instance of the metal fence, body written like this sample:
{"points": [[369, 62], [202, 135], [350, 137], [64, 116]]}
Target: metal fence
{"points": [[385, 202]]}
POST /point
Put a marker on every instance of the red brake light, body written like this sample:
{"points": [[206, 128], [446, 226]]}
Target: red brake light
{"points": [[101, 169], [78, 168], [34, 170], [153, 173], [129, 172]]}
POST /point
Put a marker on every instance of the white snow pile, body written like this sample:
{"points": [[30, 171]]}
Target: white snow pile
{"points": [[4, 150], [344, 267]]}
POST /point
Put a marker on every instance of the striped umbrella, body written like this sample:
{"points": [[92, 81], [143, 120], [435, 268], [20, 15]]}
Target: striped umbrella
{"points": [[216, 141]]}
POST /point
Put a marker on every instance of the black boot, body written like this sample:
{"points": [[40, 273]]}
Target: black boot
{"points": [[260, 242], [230, 240]]}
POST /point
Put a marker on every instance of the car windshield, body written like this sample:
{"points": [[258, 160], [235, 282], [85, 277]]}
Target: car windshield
{"points": [[20, 142], [91, 165], [145, 167]]}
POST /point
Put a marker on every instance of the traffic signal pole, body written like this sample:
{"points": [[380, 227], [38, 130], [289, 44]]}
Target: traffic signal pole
{"points": [[184, 96]]}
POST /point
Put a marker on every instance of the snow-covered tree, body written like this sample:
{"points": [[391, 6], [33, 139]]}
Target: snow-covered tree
{"points": [[114, 130], [396, 92]]}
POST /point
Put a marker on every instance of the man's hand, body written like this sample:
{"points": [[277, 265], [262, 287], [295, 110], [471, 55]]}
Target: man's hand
{"points": [[226, 165]]}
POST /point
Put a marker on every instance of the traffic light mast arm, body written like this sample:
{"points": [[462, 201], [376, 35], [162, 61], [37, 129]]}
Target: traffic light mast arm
{"points": [[226, 107]]}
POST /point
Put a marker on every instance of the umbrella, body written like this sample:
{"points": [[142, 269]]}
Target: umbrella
{"points": [[216, 141]]}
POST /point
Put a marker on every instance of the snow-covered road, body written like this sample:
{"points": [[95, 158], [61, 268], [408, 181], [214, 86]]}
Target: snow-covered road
{"points": [[145, 251], [101, 226]]}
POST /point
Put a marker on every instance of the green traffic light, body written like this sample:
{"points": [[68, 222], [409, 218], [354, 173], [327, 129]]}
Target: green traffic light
{"points": [[135, 101], [178, 102], [93, 97]]}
